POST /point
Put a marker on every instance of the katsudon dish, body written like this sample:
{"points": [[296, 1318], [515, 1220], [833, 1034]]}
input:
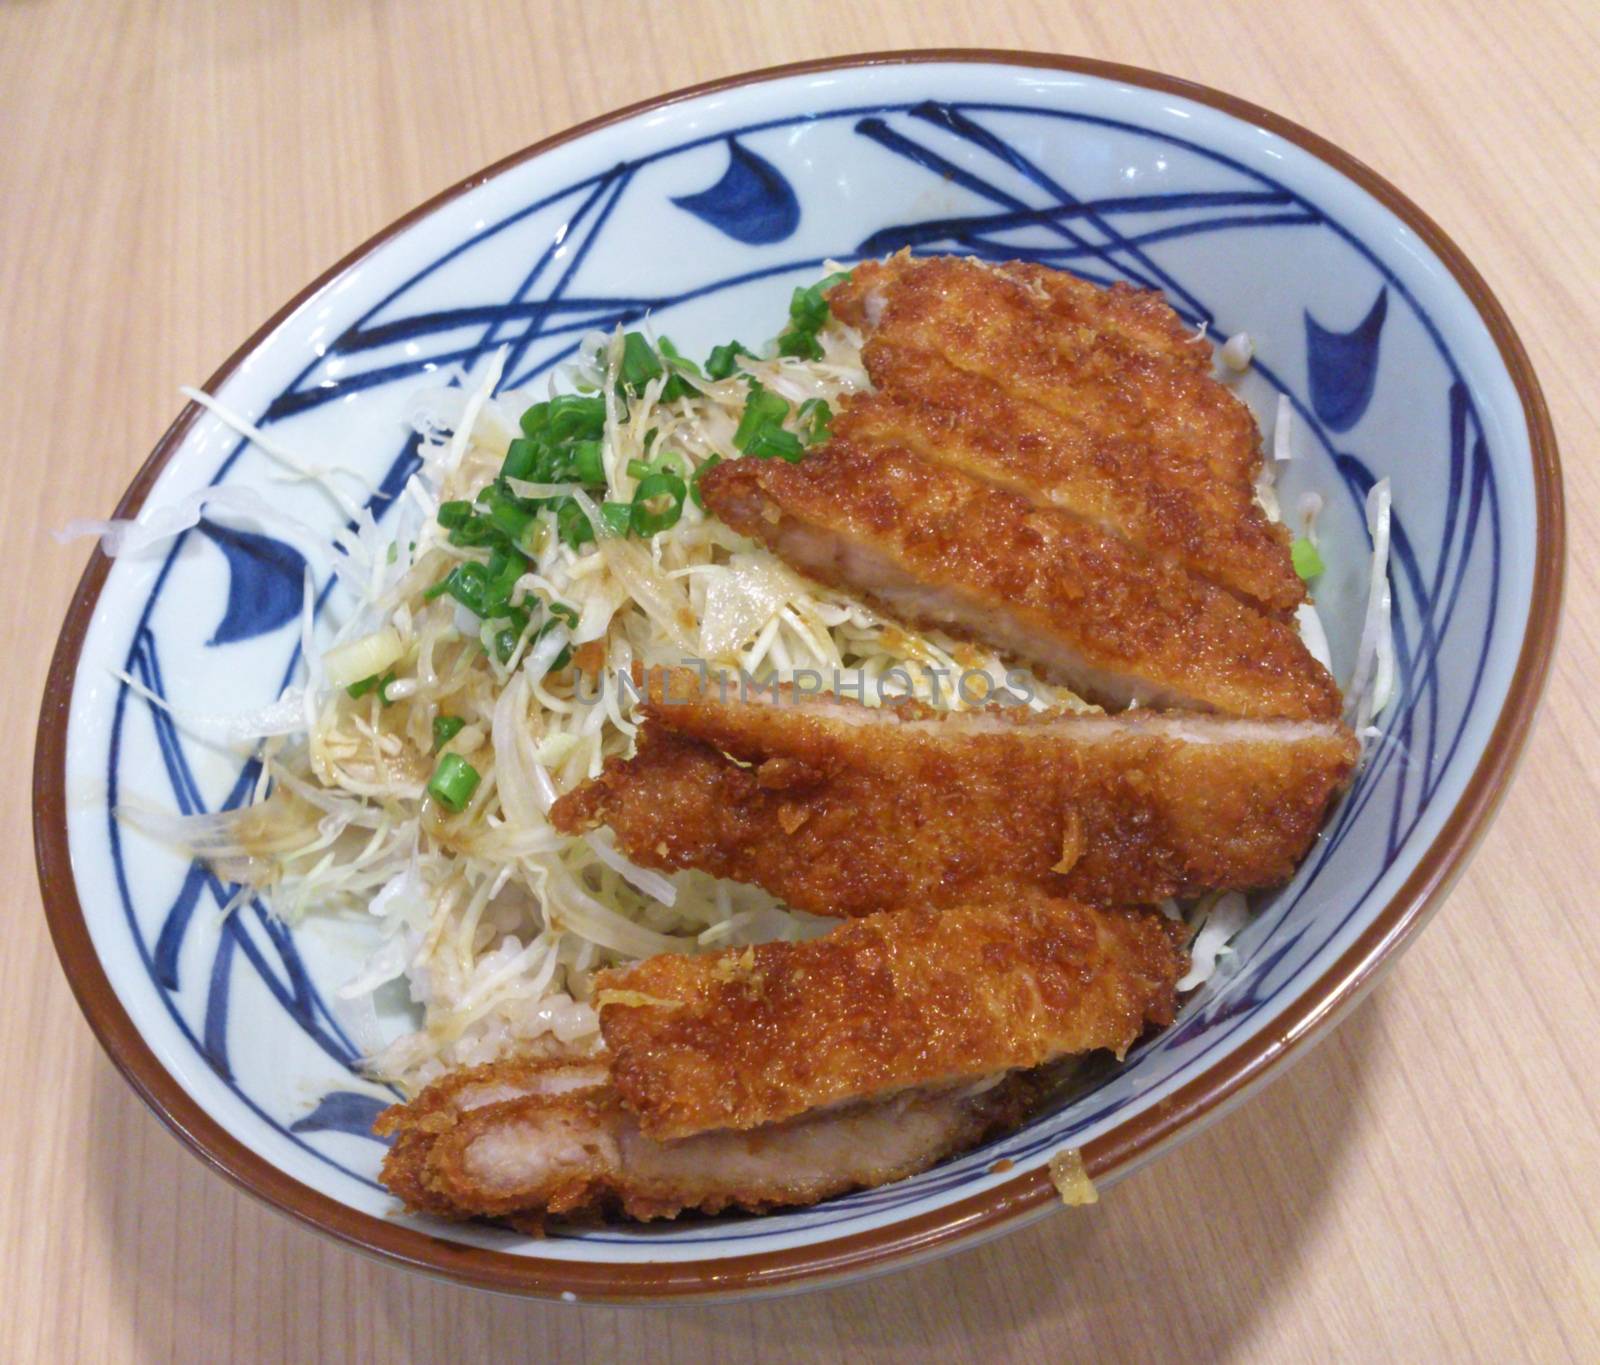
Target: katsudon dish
{"points": [[766, 777]]}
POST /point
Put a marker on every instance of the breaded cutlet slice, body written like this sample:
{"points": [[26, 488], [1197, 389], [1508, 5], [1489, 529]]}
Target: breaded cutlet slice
{"points": [[840, 809], [526, 1142], [894, 1001], [936, 548]]}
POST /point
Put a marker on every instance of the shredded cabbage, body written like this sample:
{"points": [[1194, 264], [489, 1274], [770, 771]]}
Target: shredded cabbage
{"points": [[1372, 683], [497, 922], [1216, 921]]}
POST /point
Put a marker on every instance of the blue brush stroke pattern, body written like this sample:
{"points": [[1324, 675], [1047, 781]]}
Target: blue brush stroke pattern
{"points": [[265, 583], [1034, 217], [752, 203], [343, 1111], [1343, 366]]}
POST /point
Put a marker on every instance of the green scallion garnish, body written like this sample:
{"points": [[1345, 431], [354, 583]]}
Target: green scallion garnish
{"points": [[640, 363], [801, 344], [509, 515], [773, 441], [814, 417], [1307, 560], [763, 409], [657, 503], [567, 417], [454, 514], [522, 459], [724, 360], [678, 359], [588, 463], [808, 314], [446, 728], [571, 524], [466, 583], [453, 783]]}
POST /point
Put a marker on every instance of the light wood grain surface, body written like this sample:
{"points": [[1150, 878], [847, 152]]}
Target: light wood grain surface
{"points": [[1425, 1186]]}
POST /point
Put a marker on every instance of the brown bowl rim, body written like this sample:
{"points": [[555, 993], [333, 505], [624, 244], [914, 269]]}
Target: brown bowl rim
{"points": [[979, 1216]]}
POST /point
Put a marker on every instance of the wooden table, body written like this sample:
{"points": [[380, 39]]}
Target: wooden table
{"points": [[1423, 1187]]}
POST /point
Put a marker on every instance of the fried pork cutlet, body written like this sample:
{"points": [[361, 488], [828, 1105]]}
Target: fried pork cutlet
{"points": [[1099, 401], [933, 547], [1117, 362], [842, 809], [903, 999], [523, 1141], [1168, 504]]}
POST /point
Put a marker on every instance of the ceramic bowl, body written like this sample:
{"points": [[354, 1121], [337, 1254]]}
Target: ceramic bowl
{"points": [[704, 209]]}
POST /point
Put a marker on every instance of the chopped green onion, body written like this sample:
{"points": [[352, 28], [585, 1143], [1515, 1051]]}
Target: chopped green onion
{"points": [[678, 359], [724, 360], [508, 637], [588, 464], [661, 484], [775, 441], [675, 388], [453, 782], [561, 611], [694, 480], [476, 530], [536, 420], [640, 469], [808, 310], [571, 524], [454, 514], [679, 365], [503, 570], [815, 417], [1307, 561], [522, 458], [799, 343], [507, 514], [357, 690], [640, 363], [617, 517], [446, 728], [768, 406], [466, 583], [808, 313], [764, 408], [568, 417]]}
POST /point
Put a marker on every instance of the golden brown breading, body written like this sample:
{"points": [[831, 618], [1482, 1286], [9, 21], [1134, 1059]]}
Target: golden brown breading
{"points": [[842, 809], [1140, 318], [441, 1106], [1115, 360], [882, 1004], [525, 1141], [1169, 505], [931, 546]]}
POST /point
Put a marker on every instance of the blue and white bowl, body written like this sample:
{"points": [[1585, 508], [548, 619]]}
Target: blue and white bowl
{"points": [[704, 209]]}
